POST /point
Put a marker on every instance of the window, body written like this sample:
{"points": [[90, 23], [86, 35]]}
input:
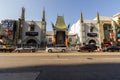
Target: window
{"points": [[91, 27], [107, 28], [32, 26], [70, 39], [50, 39]]}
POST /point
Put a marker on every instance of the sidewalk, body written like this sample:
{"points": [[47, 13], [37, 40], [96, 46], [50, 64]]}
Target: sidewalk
{"points": [[63, 54]]}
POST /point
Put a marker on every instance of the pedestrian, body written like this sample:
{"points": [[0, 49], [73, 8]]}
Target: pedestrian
{"points": [[99, 49]]}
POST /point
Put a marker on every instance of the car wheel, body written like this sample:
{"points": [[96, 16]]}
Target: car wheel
{"points": [[89, 50], [109, 50], [112, 50], [117, 50], [18, 51], [33, 50], [104, 50], [50, 51], [79, 50], [63, 50]]}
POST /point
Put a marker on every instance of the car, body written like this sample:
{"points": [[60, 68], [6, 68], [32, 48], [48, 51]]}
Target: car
{"points": [[89, 48], [106, 44], [113, 48], [24, 49], [56, 49]]}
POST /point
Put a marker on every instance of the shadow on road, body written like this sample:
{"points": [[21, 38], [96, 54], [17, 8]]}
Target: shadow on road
{"points": [[107, 71]]}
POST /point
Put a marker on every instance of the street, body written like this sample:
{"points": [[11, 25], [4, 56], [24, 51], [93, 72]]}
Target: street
{"points": [[60, 66]]}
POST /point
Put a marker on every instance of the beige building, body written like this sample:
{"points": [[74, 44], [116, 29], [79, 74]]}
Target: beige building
{"points": [[100, 30], [32, 33]]}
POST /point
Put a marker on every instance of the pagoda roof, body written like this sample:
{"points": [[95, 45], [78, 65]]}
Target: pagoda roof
{"points": [[60, 23]]}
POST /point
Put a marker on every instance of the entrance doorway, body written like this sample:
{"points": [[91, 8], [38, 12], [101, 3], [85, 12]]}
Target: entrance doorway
{"points": [[31, 42], [92, 42], [60, 37]]}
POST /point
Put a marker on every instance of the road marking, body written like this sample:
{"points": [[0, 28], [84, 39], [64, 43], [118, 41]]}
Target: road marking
{"points": [[19, 76], [55, 59]]}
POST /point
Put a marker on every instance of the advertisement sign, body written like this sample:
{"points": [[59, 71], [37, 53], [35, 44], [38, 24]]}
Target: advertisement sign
{"points": [[118, 35], [31, 33], [8, 31], [92, 34]]}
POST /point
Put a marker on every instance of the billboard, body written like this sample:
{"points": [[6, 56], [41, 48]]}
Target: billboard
{"points": [[118, 35], [8, 31], [92, 34]]}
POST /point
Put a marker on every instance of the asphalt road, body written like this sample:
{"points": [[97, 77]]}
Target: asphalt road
{"points": [[92, 66]]}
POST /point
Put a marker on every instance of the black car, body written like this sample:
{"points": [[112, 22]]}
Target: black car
{"points": [[113, 48], [89, 48]]}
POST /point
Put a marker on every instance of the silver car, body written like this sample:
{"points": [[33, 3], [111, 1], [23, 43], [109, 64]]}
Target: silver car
{"points": [[56, 49], [22, 49]]}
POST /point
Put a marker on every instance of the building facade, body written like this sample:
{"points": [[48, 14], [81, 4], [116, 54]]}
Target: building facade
{"points": [[24, 33], [60, 35], [100, 30], [60, 32], [8, 31], [72, 41], [32, 33]]}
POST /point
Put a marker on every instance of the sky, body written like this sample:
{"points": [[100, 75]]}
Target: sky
{"points": [[70, 9]]}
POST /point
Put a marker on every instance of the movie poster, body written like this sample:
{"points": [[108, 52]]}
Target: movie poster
{"points": [[7, 31]]}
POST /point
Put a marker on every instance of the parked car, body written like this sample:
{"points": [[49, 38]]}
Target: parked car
{"points": [[106, 44], [112, 48], [24, 49], [56, 49], [7, 48], [89, 48]]}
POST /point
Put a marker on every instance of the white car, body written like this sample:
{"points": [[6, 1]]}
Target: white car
{"points": [[56, 49]]}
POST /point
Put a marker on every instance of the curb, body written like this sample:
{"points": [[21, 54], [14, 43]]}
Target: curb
{"points": [[61, 54]]}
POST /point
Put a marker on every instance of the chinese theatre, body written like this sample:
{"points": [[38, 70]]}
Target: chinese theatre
{"points": [[60, 32]]}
